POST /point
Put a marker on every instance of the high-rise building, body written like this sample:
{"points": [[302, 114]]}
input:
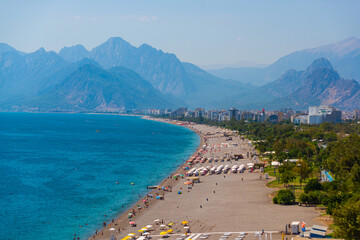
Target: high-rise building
{"points": [[234, 114], [357, 114]]}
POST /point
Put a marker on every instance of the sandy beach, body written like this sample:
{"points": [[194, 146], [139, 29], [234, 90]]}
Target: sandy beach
{"points": [[226, 202]]}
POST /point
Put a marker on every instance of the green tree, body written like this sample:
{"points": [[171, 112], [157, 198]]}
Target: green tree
{"points": [[303, 171], [347, 220], [313, 185], [286, 173], [285, 197]]}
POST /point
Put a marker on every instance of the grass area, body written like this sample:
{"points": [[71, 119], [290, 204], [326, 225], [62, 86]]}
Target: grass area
{"points": [[280, 185]]}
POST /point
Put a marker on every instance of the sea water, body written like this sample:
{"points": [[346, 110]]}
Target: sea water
{"points": [[66, 174]]}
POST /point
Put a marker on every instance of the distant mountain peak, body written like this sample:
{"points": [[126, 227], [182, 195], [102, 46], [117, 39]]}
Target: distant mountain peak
{"points": [[117, 41], [319, 63], [40, 50], [74, 53]]}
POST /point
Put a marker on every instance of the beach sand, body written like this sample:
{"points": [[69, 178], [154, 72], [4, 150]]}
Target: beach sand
{"points": [[232, 202]]}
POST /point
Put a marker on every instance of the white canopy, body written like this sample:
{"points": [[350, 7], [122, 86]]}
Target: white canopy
{"points": [[275, 163]]}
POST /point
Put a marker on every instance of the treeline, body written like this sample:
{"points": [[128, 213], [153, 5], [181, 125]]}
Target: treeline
{"points": [[331, 147]]}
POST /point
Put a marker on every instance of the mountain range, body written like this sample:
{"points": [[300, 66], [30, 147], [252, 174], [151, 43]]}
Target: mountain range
{"points": [[344, 55], [116, 76]]}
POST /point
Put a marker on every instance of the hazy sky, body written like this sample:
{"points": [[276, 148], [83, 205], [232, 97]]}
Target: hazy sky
{"points": [[201, 32]]}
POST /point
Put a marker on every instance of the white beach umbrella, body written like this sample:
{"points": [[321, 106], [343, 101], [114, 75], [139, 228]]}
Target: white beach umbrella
{"points": [[112, 229]]}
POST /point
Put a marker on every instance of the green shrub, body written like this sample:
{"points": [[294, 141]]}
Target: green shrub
{"points": [[285, 197], [304, 198], [275, 200], [313, 185]]}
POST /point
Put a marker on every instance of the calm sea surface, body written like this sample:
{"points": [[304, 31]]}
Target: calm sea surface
{"points": [[58, 172]]}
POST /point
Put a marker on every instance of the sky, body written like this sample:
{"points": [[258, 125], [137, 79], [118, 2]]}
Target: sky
{"points": [[201, 32]]}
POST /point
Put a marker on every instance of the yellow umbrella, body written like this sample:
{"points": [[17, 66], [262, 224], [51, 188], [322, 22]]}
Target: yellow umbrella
{"points": [[144, 228], [170, 231], [140, 230], [170, 224], [163, 233], [184, 222]]}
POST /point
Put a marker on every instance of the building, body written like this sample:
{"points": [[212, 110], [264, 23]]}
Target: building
{"points": [[234, 114], [357, 114], [323, 113], [199, 112], [179, 112], [300, 119], [213, 115]]}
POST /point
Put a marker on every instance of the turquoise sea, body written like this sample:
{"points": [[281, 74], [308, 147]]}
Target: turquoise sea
{"points": [[58, 172]]}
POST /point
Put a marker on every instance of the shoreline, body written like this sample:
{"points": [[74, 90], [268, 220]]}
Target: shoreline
{"points": [[122, 218]]}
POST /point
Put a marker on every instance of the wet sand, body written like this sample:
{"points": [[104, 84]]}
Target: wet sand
{"points": [[226, 202]]}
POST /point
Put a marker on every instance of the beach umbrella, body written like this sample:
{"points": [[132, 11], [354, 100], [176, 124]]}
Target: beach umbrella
{"points": [[163, 233], [112, 229], [187, 182], [170, 231], [141, 230], [170, 224], [144, 229], [146, 233], [149, 226], [131, 234], [157, 220], [132, 223], [184, 222], [186, 227]]}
